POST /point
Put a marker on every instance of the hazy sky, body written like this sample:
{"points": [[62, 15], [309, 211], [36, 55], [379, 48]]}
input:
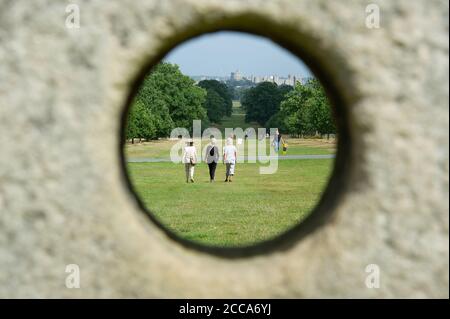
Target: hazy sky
{"points": [[223, 52]]}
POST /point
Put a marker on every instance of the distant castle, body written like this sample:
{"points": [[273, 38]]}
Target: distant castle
{"points": [[238, 76], [289, 80]]}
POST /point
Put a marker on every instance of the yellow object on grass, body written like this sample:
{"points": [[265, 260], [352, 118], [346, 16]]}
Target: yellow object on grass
{"points": [[285, 148]]}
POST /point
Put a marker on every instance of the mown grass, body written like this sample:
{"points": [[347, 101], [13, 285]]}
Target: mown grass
{"points": [[252, 208], [237, 119], [296, 146], [161, 148]]}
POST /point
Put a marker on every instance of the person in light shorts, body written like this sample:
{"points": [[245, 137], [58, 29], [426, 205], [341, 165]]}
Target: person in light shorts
{"points": [[189, 160], [229, 158]]}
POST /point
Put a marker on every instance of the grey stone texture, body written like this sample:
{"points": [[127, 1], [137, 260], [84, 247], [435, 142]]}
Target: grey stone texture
{"points": [[63, 196]]}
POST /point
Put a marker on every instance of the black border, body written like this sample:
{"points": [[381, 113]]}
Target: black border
{"points": [[280, 308]]}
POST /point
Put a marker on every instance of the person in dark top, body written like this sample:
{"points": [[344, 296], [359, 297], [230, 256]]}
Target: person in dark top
{"points": [[211, 158], [277, 140]]}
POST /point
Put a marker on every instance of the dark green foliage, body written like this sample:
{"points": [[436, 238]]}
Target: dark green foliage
{"points": [[277, 121], [223, 91], [165, 100], [215, 106], [306, 111], [284, 89], [303, 110], [262, 102]]}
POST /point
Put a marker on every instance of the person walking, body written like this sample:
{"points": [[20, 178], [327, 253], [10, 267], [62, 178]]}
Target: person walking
{"points": [[189, 160], [229, 158], [277, 141], [211, 158]]}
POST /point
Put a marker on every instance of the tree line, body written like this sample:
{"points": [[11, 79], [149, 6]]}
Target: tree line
{"points": [[302, 110], [168, 99]]}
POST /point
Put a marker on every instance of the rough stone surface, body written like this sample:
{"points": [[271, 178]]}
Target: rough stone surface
{"points": [[63, 198]]}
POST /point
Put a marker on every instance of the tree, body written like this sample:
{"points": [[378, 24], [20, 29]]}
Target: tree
{"points": [[166, 99], [140, 122], [321, 115], [172, 95], [262, 102], [306, 111], [224, 92], [294, 111], [277, 121], [284, 89], [215, 106], [131, 130]]}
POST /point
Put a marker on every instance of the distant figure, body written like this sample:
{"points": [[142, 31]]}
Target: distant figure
{"points": [[277, 140], [189, 160], [211, 158], [280, 141], [229, 158], [285, 146]]}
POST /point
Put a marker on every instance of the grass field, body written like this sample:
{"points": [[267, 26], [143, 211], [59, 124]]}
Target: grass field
{"points": [[237, 119], [252, 208], [161, 148]]}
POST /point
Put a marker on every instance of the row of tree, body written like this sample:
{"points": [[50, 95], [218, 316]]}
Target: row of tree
{"points": [[167, 99], [263, 101], [299, 111], [218, 100]]}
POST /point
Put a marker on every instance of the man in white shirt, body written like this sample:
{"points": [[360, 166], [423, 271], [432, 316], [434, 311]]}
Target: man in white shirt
{"points": [[189, 160], [229, 158]]}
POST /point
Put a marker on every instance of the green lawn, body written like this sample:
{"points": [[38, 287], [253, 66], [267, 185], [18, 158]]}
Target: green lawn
{"points": [[237, 119], [252, 208], [161, 148], [296, 146]]}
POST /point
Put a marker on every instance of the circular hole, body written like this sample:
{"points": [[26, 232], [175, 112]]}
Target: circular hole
{"points": [[284, 180]]}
